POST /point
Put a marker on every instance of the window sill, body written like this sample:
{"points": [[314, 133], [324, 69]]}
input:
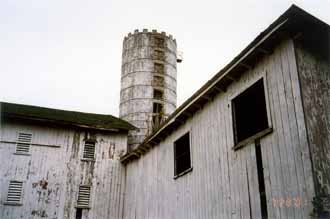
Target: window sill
{"points": [[24, 154], [12, 204], [183, 173], [252, 138], [87, 160]]}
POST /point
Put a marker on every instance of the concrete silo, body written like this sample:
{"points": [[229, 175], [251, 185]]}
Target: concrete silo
{"points": [[148, 81]]}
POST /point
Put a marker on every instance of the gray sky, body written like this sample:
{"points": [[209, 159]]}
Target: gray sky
{"points": [[67, 53]]}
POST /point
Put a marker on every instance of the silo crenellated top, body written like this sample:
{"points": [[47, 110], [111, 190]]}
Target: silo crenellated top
{"points": [[147, 38], [154, 32]]}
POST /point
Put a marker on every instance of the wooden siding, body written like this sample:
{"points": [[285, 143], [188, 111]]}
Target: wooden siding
{"points": [[53, 171], [224, 182], [314, 72]]}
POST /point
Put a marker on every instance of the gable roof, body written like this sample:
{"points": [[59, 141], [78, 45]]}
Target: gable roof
{"points": [[64, 117], [292, 23]]}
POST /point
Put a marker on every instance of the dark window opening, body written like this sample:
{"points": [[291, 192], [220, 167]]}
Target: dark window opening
{"points": [[157, 108], [78, 213], [159, 42], [157, 114], [159, 55], [250, 112], [158, 81], [159, 68], [261, 181], [182, 160], [158, 94]]}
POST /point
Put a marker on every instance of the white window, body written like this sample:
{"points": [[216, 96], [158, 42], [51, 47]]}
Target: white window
{"points": [[23, 143], [83, 196], [14, 195]]}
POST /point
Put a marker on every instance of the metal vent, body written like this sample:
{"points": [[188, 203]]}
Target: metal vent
{"points": [[23, 143], [83, 196], [89, 150], [14, 192]]}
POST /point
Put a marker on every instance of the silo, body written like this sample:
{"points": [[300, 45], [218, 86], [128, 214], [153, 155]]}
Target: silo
{"points": [[148, 81]]}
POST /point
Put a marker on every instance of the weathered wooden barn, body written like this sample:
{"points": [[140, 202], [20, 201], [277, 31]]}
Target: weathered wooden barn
{"points": [[253, 142], [60, 164]]}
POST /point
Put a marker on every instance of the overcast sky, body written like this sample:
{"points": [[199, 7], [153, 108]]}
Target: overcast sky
{"points": [[66, 54]]}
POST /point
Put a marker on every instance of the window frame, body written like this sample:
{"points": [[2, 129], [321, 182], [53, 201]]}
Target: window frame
{"points": [[177, 175], [260, 134]]}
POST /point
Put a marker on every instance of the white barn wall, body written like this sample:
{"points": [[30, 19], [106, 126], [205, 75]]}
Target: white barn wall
{"points": [[54, 170], [224, 182]]}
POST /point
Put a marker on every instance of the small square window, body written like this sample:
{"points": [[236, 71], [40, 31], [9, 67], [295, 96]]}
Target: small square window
{"points": [[159, 42], [158, 81], [157, 108], [249, 112], [158, 68], [158, 55], [158, 94], [14, 195], [157, 117], [182, 161], [89, 150]]}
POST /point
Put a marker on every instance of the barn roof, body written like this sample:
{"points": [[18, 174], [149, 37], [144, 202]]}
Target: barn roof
{"points": [[292, 23], [64, 117]]}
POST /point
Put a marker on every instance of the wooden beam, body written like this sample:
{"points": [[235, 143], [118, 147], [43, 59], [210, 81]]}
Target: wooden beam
{"points": [[148, 146], [187, 113], [207, 97], [298, 35], [180, 121], [137, 154], [197, 106], [218, 89], [153, 142], [140, 151], [231, 78], [262, 50], [245, 65]]}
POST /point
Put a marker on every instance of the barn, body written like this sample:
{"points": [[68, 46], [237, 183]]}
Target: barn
{"points": [[252, 142]]}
